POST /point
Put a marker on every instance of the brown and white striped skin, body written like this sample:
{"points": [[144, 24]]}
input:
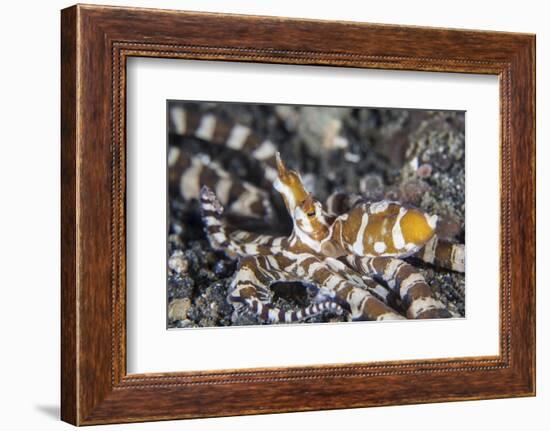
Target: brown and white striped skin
{"points": [[342, 257], [437, 251], [265, 260], [250, 288], [211, 128], [415, 294], [233, 241], [383, 229], [443, 253], [186, 176]]}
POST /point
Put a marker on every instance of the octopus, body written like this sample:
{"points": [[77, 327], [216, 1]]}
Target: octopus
{"points": [[350, 252], [354, 260]]}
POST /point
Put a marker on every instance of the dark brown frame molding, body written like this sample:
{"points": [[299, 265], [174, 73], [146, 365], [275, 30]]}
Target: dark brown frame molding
{"points": [[95, 43]]}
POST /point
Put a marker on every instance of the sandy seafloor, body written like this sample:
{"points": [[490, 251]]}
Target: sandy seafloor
{"points": [[413, 156]]}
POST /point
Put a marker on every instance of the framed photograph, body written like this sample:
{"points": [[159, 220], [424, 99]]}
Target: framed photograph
{"points": [[256, 205]]}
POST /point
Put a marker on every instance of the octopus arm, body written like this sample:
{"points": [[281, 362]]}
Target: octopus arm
{"points": [[406, 281], [251, 288]]}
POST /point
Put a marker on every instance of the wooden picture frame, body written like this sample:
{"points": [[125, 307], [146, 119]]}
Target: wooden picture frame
{"points": [[95, 43]]}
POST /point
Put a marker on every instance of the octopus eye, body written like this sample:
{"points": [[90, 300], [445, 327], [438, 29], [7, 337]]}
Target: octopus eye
{"points": [[308, 207]]}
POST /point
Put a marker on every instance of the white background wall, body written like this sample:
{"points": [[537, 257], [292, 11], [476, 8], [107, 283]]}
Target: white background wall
{"points": [[29, 214]]}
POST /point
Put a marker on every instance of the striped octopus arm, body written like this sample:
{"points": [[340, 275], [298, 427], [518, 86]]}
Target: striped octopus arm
{"points": [[406, 281], [233, 242], [250, 288], [362, 297], [186, 176], [211, 128], [443, 253]]}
